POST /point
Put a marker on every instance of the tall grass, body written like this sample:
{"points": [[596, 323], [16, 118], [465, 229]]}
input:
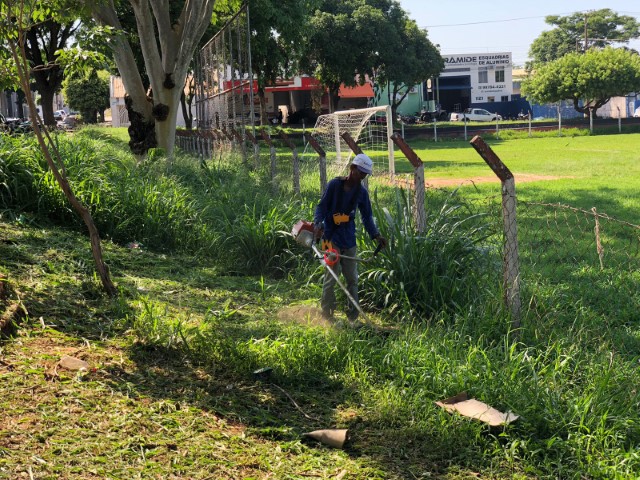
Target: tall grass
{"points": [[18, 164], [571, 376], [219, 210], [442, 268]]}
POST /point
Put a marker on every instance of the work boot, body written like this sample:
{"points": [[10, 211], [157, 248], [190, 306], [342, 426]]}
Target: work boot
{"points": [[327, 314], [354, 325]]}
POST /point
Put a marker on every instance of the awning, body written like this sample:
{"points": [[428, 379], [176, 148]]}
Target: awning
{"points": [[359, 91], [454, 87]]}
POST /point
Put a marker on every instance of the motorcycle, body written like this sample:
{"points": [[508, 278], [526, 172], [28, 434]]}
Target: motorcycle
{"points": [[427, 116], [407, 119]]}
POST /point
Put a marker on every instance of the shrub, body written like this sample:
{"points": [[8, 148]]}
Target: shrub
{"points": [[18, 168], [258, 240], [440, 269]]}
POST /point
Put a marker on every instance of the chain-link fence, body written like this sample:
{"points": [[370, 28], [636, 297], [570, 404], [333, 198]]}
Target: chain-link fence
{"points": [[585, 256], [224, 77], [588, 255]]}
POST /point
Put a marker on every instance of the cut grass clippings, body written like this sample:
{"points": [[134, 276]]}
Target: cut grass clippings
{"points": [[171, 390]]}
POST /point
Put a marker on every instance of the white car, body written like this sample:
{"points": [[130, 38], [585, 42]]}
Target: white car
{"points": [[475, 115]]}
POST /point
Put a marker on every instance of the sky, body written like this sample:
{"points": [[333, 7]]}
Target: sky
{"points": [[476, 26]]}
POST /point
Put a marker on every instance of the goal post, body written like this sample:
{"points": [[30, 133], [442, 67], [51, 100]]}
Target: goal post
{"points": [[371, 128]]}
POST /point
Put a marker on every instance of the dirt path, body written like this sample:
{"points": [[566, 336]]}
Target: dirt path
{"points": [[454, 182]]}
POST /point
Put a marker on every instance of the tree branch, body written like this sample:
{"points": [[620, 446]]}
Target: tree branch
{"points": [[147, 36], [166, 34], [125, 60], [195, 17]]}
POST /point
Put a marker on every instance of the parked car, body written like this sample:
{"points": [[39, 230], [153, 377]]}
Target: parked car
{"points": [[475, 115], [59, 115]]}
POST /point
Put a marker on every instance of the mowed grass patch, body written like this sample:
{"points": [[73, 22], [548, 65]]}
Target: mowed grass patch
{"points": [[173, 393]]}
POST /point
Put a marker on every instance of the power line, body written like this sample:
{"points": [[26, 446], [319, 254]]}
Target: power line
{"points": [[513, 19], [488, 21]]}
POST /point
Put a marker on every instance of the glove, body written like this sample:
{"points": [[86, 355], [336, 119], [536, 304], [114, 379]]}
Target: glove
{"points": [[318, 230], [382, 242], [327, 245]]}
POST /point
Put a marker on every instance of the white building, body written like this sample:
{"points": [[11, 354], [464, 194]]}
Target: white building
{"points": [[471, 79], [119, 114]]}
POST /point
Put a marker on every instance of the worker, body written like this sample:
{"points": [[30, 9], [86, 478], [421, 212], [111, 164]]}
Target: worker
{"points": [[334, 222]]}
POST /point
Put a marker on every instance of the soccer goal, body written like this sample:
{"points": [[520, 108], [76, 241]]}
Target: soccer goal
{"points": [[371, 128]]}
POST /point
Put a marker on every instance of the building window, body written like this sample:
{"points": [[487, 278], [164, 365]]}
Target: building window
{"points": [[491, 99], [483, 76], [500, 76], [504, 98]]}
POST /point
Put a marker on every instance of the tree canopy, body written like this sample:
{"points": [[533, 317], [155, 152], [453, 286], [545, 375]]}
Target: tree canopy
{"points": [[580, 31], [88, 94], [419, 60], [350, 39], [593, 78], [52, 30]]}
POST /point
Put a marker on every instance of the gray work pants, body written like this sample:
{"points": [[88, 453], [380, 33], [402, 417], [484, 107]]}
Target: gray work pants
{"points": [[349, 269]]}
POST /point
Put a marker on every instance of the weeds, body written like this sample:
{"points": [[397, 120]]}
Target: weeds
{"points": [[425, 273], [173, 392]]}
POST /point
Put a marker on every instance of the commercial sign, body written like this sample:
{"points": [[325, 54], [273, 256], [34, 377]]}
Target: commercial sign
{"points": [[478, 59]]}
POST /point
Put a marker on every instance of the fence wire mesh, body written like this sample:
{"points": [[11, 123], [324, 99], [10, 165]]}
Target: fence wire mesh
{"points": [[224, 77], [589, 257], [585, 257]]}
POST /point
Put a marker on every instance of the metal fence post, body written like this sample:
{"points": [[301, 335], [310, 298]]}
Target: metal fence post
{"points": [[419, 212], [559, 121], [296, 162], [322, 160], [511, 264]]}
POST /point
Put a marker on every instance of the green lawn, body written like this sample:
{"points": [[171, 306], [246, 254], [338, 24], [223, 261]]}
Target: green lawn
{"points": [[216, 292], [600, 171]]}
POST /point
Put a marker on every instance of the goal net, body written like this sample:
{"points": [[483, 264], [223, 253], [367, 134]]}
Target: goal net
{"points": [[367, 126]]}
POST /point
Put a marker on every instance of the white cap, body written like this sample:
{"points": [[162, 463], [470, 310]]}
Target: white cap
{"points": [[364, 163]]}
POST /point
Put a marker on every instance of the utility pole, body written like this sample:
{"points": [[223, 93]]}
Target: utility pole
{"points": [[586, 36]]}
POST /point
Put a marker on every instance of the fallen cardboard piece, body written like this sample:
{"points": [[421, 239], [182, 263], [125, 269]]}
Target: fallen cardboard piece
{"points": [[333, 437], [73, 363], [475, 409]]}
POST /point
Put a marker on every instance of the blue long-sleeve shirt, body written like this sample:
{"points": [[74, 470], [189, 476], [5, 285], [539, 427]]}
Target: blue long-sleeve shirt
{"points": [[344, 235]]}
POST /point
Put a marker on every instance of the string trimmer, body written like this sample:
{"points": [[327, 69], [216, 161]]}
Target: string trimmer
{"points": [[303, 234]]}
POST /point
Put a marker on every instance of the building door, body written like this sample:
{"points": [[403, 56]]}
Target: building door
{"points": [[454, 92]]}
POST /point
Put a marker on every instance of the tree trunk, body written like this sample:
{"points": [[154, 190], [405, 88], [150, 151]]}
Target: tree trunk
{"points": [[166, 105], [187, 114], [139, 106], [47, 147], [142, 132], [46, 103], [167, 45], [334, 98], [20, 103], [264, 119]]}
